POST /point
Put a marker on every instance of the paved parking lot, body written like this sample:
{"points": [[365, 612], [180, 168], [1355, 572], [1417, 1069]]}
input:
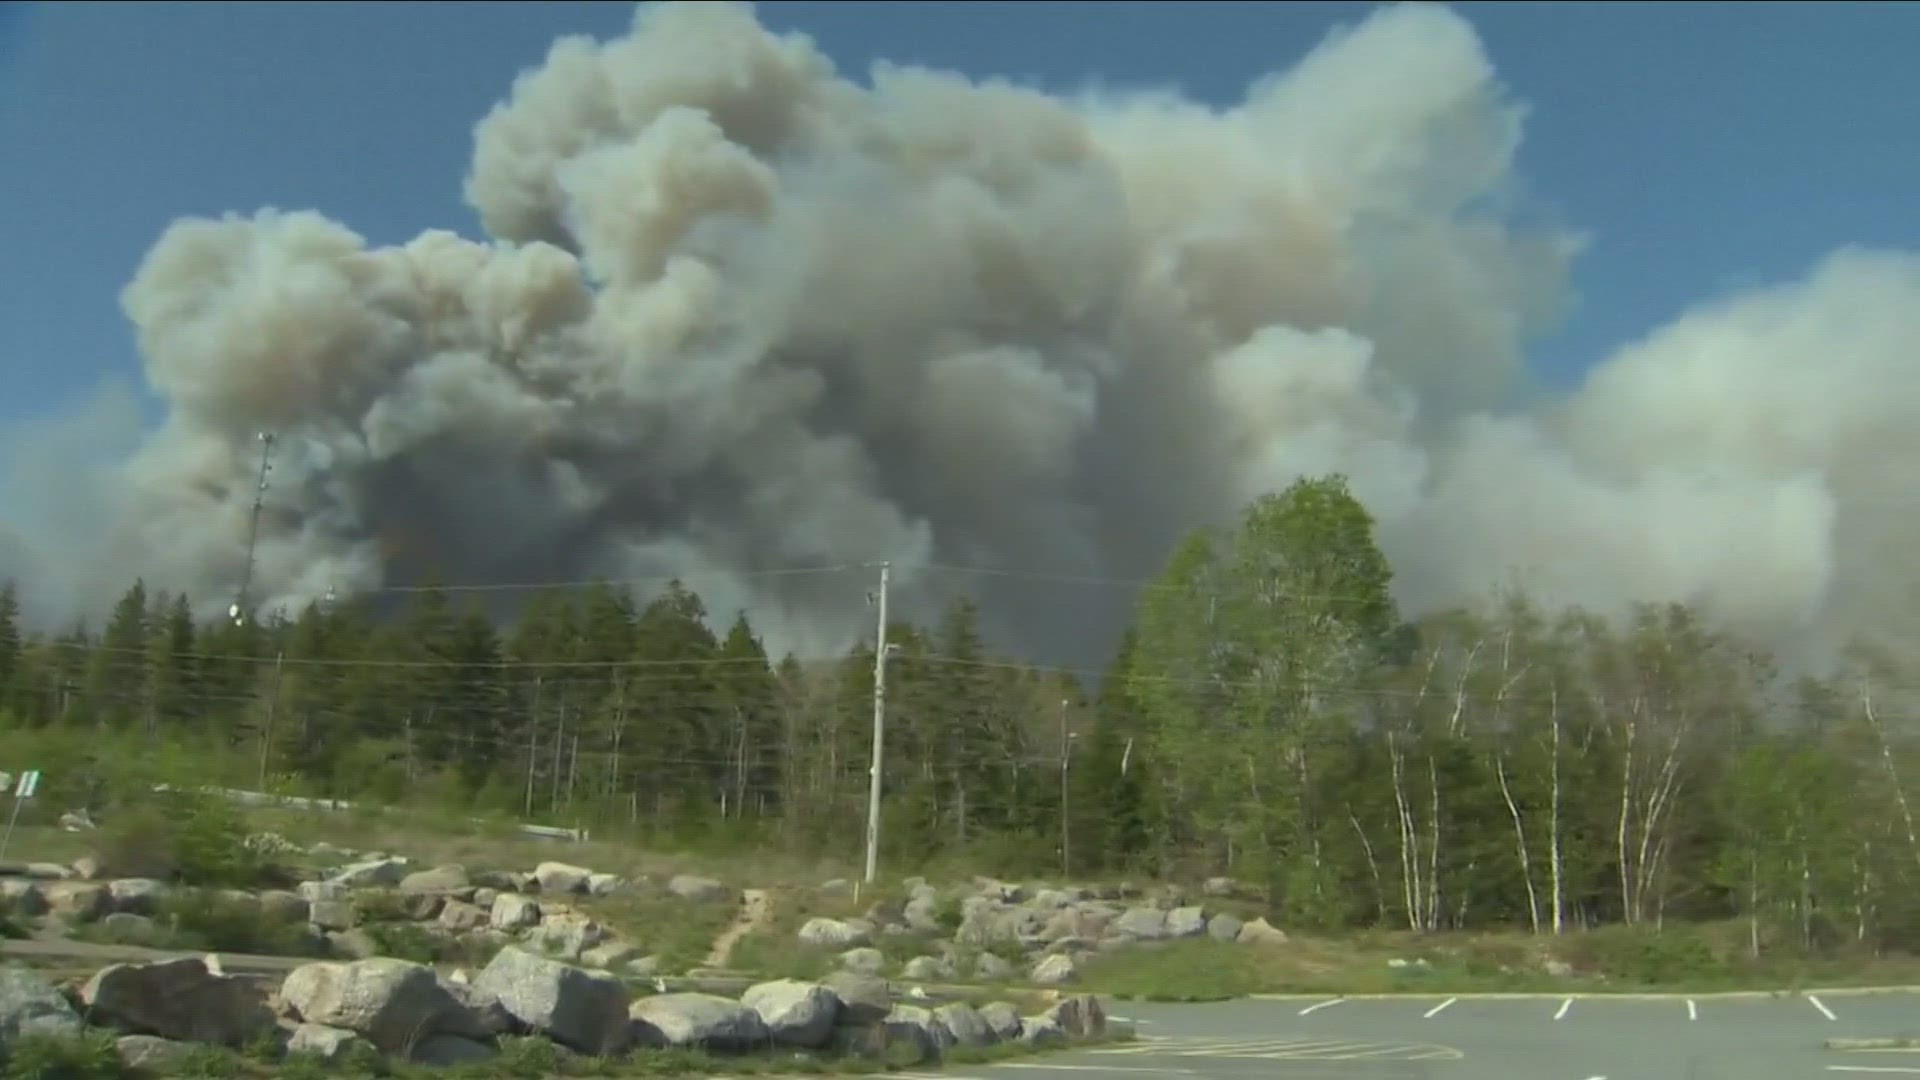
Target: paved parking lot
{"points": [[1625, 1037]]}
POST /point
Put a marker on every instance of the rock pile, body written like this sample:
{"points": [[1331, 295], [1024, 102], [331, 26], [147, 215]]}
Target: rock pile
{"points": [[400, 1010]]}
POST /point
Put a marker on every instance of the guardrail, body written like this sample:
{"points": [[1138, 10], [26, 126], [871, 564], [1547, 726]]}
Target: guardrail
{"points": [[299, 802]]}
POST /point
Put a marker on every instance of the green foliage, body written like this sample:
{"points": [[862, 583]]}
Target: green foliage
{"points": [[91, 1055], [183, 837], [208, 921]]}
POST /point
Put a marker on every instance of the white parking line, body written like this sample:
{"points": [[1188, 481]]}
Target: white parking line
{"points": [[1564, 1006], [1092, 1068], [1874, 1069], [1824, 1011], [1435, 1011], [1693, 1011], [1311, 1009]]}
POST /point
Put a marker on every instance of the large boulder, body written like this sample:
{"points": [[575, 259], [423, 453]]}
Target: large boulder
{"points": [[512, 911], [914, 1026], [1056, 970], [928, 969], [330, 1045], [706, 1021], [1002, 1019], [135, 896], [178, 999], [581, 1010], [1080, 1016], [1224, 927], [29, 1005], [965, 1024], [1186, 922], [864, 999], [694, 887], [437, 881], [1261, 932], [1142, 923], [559, 877], [833, 934], [800, 1014], [393, 1003], [372, 874], [77, 901]]}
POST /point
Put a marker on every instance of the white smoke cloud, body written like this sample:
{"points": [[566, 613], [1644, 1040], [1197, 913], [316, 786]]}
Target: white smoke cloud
{"points": [[739, 313]]}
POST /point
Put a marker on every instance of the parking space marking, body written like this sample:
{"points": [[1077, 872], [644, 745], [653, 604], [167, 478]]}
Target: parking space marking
{"points": [[1564, 1006], [1693, 1011], [1436, 1010], [1311, 1009], [1292, 1050], [1818, 1004]]}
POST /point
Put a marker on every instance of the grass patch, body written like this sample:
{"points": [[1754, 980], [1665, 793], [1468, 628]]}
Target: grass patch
{"points": [[91, 1055], [1698, 959], [195, 920], [678, 931]]}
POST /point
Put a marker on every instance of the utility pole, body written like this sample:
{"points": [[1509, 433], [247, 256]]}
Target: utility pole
{"points": [[273, 706], [238, 611], [1066, 755], [879, 727]]}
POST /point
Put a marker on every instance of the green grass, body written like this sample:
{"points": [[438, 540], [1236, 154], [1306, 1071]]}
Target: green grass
{"points": [[678, 931], [193, 920], [1695, 959]]}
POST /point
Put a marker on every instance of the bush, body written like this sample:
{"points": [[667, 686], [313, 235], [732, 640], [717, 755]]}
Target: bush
{"points": [[182, 837], [89, 1056], [201, 921]]}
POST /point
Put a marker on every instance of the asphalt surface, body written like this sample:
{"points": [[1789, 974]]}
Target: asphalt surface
{"points": [[1705, 1037]]}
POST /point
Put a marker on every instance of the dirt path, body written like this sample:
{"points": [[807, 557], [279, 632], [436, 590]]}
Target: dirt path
{"points": [[54, 948], [756, 910]]}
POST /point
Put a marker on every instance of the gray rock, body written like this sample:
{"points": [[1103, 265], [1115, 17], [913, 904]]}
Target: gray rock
{"points": [[332, 914], [512, 911], [29, 1005], [1056, 970], [77, 901], [24, 897], [178, 999], [1038, 1031], [1223, 887], [438, 881], [150, 1052], [316, 891], [578, 1009], [798, 1014], [558, 877], [863, 998], [928, 969], [865, 961], [1224, 927], [965, 1024], [124, 926], [1186, 922], [644, 968], [48, 871], [1261, 932], [833, 934], [460, 916], [609, 955], [990, 968], [922, 913], [135, 896], [1080, 1016], [913, 1025], [282, 906], [706, 1021], [448, 1051], [1143, 923], [1002, 1019], [353, 944], [694, 887], [372, 874], [329, 1044], [393, 1003], [605, 884]]}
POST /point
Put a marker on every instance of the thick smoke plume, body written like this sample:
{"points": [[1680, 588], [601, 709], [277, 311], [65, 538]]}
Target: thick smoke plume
{"points": [[737, 312]]}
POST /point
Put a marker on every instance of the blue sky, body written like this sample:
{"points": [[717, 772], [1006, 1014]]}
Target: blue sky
{"points": [[1703, 148]]}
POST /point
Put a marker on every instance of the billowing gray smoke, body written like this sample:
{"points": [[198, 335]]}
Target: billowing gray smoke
{"points": [[739, 313]]}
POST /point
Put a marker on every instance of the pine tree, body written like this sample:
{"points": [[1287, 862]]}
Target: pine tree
{"points": [[12, 667]]}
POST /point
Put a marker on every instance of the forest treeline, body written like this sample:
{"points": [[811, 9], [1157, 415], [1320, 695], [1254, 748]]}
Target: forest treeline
{"points": [[1269, 716]]}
